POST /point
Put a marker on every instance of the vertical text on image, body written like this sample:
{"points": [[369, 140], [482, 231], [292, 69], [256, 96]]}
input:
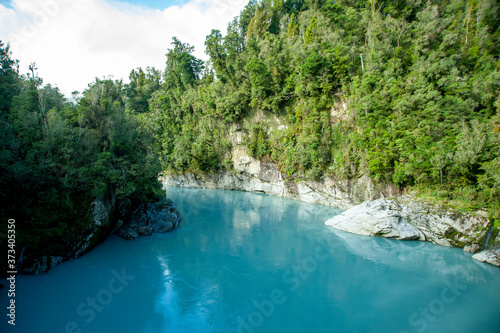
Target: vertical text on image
{"points": [[11, 272]]}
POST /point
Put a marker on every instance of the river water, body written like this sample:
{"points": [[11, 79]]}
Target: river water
{"points": [[244, 262]]}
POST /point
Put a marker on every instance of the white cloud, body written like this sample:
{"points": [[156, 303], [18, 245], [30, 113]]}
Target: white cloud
{"points": [[74, 41]]}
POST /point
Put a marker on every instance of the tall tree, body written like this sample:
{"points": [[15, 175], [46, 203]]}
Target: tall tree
{"points": [[183, 68]]}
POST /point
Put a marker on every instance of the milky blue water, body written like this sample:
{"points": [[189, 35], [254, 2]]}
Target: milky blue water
{"points": [[245, 262]]}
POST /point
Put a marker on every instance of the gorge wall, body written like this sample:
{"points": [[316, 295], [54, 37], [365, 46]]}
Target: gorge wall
{"points": [[252, 175]]}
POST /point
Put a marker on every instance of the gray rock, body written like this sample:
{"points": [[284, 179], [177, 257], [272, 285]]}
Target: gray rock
{"points": [[124, 207], [148, 218], [118, 225], [491, 257], [377, 218], [128, 233], [492, 254], [408, 218], [102, 208], [151, 218], [41, 265], [144, 230], [252, 175], [473, 248]]}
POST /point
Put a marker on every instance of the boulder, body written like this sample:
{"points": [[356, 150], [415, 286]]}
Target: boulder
{"points": [[381, 217], [407, 218], [492, 254], [473, 248], [128, 233], [491, 257], [149, 218]]}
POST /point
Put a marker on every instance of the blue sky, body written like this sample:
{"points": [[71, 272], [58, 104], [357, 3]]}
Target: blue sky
{"points": [[6, 3], [157, 4], [75, 41]]}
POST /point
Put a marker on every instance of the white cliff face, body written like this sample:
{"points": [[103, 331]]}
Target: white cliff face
{"points": [[252, 175]]}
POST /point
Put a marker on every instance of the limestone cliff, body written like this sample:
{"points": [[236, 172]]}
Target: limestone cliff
{"points": [[252, 175]]}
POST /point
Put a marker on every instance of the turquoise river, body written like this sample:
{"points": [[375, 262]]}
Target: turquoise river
{"points": [[244, 263]]}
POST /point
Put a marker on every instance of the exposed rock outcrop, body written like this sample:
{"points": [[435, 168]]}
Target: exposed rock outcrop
{"points": [[408, 218], [252, 175], [42, 264], [91, 230], [492, 254], [106, 215], [151, 218], [377, 218]]}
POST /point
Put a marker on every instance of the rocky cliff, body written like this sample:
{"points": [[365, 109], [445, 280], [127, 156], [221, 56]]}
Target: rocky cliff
{"points": [[252, 175]]}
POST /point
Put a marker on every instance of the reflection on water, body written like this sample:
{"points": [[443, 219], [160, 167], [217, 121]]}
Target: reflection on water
{"points": [[243, 262]]}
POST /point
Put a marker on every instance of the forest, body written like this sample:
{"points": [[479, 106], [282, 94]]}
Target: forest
{"points": [[407, 92]]}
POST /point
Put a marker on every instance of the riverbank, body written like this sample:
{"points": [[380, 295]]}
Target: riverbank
{"points": [[369, 211]]}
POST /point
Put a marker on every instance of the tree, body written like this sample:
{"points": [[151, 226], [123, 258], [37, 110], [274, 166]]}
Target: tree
{"points": [[8, 80], [141, 88], [183, 69], [215, 50]]}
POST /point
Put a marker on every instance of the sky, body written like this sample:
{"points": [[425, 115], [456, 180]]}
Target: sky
{"points": [[74, 41]]}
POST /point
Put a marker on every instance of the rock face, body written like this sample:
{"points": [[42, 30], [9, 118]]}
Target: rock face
{"points": [[407, 218], [149, 218], [42, 264], [97, 224], [106, 215], [492, 254], [377, 218], [252, 175]]}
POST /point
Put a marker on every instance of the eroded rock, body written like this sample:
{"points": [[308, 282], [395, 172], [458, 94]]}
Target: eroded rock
{"points": [[407, 218], [381, 217], [151, 218]]}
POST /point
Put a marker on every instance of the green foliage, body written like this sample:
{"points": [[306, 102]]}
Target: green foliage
{"points": [[310, 31], [259, 143], [183, 69]]}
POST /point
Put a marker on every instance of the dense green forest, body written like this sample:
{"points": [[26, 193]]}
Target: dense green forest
{"points": [[407, 92]]}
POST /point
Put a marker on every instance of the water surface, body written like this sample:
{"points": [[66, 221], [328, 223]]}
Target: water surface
{"points": [[245, 262]]}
